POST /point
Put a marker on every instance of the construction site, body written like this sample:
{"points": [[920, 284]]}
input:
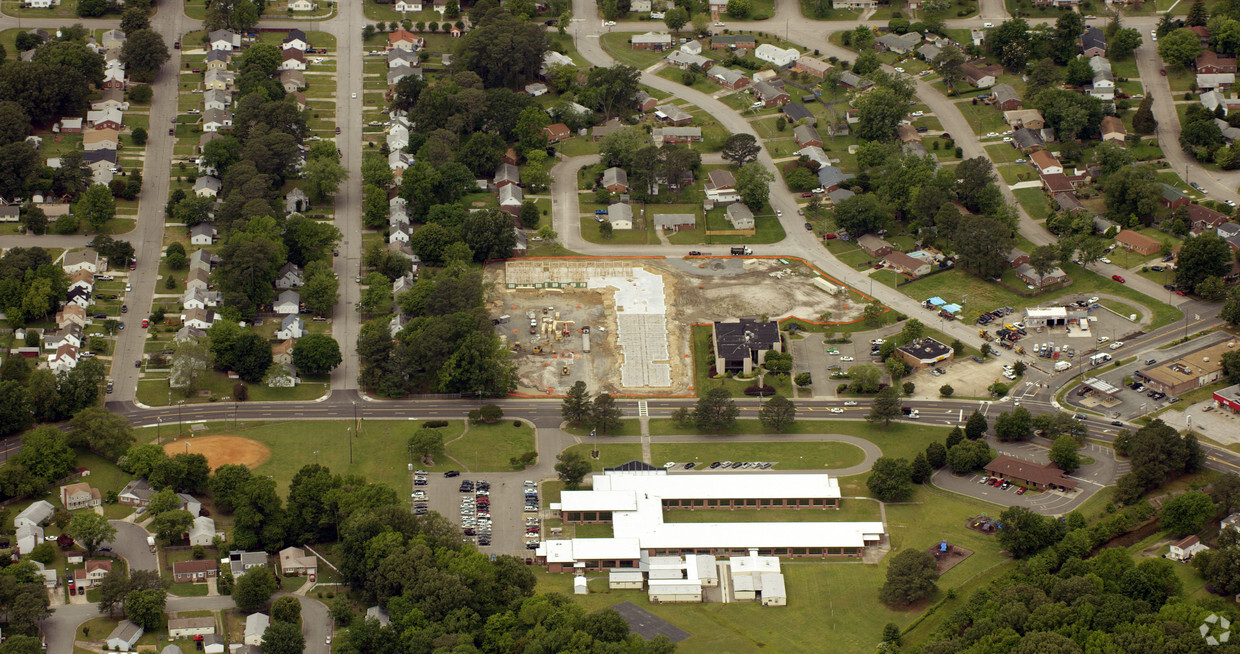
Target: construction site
{"points": [[623, 326]]}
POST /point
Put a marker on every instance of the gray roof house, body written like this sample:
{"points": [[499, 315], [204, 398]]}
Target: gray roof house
{"points": [[740, 216], [898, 43], [830, 176], [239, 562], [124, 636], [296, 200], [255, 626], [36, 514], [616, 177]]}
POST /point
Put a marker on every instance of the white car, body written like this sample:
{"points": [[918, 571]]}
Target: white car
{"points": [[899, 70], [669, 464], [1154, 36], [1117, 345], [918, 114], [877, 341], [610, 23], [987, 26], [850, 403], [1093, 299], [1007, 375], [1103, 339], [1007, 139], [128, 287], [836, 409], [355, 96], [1104, 260], [1020, 161], [846, 358], [1231, 203]]}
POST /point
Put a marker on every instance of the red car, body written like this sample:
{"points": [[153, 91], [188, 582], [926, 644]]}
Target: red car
{"points": [[1162, 71], [1118, 278], [828, 236], [145, 322], [807, 195], [1020, 491], [1179, 292]]}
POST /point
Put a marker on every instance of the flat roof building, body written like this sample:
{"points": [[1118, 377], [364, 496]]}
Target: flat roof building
{"points": [[925, 353], [1186, 372], [633, 502]]}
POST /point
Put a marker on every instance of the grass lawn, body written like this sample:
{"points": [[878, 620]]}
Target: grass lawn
{"points": [[610, 454], [154, 391], [983, 118], [617, 45], [380, 454], [900, 439], [290, 584], [590, 230], [786, 456], [487, 448]]}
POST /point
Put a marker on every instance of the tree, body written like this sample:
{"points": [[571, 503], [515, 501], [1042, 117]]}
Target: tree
{"points": [[880, 112], [936, 455], [975, 427], [169, 526], [1014, 426], [967, 456], [910, 577], [739, 9], [1197, 14], [321, 290], [1122, 44], [1025, 533], [146, 607], [102, 431], [571, 468], [577, 406], [890, 480], [286, 609], [323, 176], [528, 215], [920, 470], [1179, 48], [45, 454], [675, 18], [316, 354], [96, 206], [777, 413], [862, 214], [948, 62], [803, 380], [1186, 513], [1231, 308], [90, 530], [255, 588], [1010, 43], [1201, 257], [503, 50], [283, 637], [604, 414], [753, 182], [134, 19], [983, 243], [715, 411], [1225, 492], [741, 149], [143, 53], [886, 406], [1064, 453]]}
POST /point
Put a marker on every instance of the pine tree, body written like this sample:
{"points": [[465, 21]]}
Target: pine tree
{"points": [[920, 471], [975, 428], [605, 415], [1197, 15], [577, 406], [886, 406], [1143, 121]]}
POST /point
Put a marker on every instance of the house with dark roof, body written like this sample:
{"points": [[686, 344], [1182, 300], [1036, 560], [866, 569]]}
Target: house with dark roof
{"points": [[1212, 62], [1005, 98], [769, 94], [977, 77], [741, 346], [831, 178], [616, 180], [733, 41], [1027, 140], [1172, 197], [1203, 219], [1039, 476], [557, 132], [851, 80], [806, 135], [898, 43], [874, 245], [1137, 242], [795, 112], [1027, 274], [1094, 42], [910, 266]]}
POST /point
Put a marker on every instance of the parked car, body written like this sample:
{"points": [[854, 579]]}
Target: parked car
{"points": [[1118, 278]]}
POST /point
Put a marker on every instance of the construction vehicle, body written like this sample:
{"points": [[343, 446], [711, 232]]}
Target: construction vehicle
{"points": [[984, 333], [1020, 350], [564, 371], [516, 346]]}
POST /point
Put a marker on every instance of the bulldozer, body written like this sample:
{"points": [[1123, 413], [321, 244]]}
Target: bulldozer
{"points": [[985, 334], [564, 371], [516, 346]]}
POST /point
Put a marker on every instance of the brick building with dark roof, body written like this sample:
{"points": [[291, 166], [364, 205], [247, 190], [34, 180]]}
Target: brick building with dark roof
{"points": [[1040, 476]]}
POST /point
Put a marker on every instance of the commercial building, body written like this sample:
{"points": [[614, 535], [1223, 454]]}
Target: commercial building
{"points": [[925, 353], [1040, 476], [739, 346], [633, 498], [1186, 372], [1228, 399]]}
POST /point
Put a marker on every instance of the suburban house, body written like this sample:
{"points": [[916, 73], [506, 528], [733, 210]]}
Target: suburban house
{"points": [[1172, 197], [195, 571], [136, 493], [721, 187], [1027, 274], [672, 114], [779, 56], [189, 627], [218, 60], [292, 80], [815, 67], [851, 80], [255, 626], [664, 135], [740, 346], [207, 186], [295, 39], [796, 112], [806, 135], [1004, 97], [645, 101], [93, 573], [81, 260], [282, 352], [902, 262], [202, 532], [100, 139], [239, 562], [1113, 129], [1045, 163], [202, 234], [1103, 86], [295, 562], [224, 40], [1017, 257], [739, 216], [616, 180], [728, 78], [511, 198], [1094, 42], [874, 246], [1211, 62], [831, 178], [28, 537], [1137, 242], [289, 276], [978, 77], [34, 515], [79, 496], [557, 132], [675, 222], [288, 303], [620, 216], [769, 94], [404, 40], [898, 43], [291, 326], [651, 41], [733, 41], [198, 319], [506, 174], [124, 636], [1184, 549], [1204, 219]]}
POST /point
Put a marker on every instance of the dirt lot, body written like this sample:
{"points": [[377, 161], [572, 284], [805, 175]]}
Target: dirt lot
{"points": [[694, 291], [954, 556], [222, 450]]}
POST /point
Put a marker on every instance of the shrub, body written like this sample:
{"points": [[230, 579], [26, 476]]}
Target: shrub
{"points": [[435, 424], [764, 390]]}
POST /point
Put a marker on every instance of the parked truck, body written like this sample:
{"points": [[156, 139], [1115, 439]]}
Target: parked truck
{"points": [[741, 251], [1098, 359], [150, 542], [1062, 366]]}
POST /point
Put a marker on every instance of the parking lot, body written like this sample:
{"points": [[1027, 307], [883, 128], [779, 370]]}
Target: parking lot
{"points": [[500, 509], [1093, 477]]}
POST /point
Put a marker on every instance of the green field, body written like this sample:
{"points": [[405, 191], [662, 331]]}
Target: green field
{"points": [[617, 45], [900, 439], [487, 448], [787, 456]]}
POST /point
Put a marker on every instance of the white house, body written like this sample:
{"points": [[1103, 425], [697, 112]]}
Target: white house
{"points": [[779, 56], [198, 318], [34, 515], [288, 303], [721, 187], [295, 39], [291, 327], [207, 186], [203, 234], [404, 6], [198, 298], [87, 260], [1104, 82], [124, 636], [620, 216], [202, 532], [28, 537], [289, 276], [301, 5], [1184, 549], [255, 626], [398, 135], [179, 628], [224, 40]]}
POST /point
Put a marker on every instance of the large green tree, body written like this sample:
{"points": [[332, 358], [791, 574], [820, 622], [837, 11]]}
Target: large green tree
{"points": [[316, 354], [777, 413], [1179, 48], [255, 588], [715, 411], [910, 577], [1200, 258], [1186, 513], [890, 479]]}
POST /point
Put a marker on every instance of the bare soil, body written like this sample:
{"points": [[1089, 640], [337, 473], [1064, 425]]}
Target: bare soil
{"points": [[951, 558], [222, 450]]}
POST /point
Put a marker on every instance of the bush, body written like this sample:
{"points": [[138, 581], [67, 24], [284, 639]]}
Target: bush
{"points": [[199, 552], [516, 423], [946, 390], [435, 424], [765, 390], [909, 387]]}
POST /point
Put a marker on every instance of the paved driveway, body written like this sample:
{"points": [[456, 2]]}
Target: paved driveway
{"points": [[130, 543]]}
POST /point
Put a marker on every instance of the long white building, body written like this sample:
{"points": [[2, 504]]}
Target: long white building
{"points": [[633, 497]]}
